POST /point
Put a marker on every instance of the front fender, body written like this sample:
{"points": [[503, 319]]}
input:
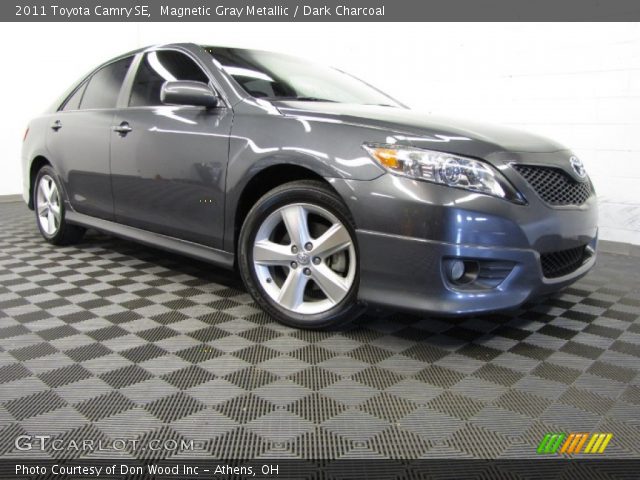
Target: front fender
{"points": [[260, 140]]}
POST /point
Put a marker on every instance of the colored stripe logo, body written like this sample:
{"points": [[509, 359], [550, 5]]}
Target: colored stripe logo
{"points": [[598, 443], [550, 443], [574, 443]]}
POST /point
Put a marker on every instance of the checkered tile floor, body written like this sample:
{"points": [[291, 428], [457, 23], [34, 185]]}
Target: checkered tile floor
{"points": [[110, 340]]}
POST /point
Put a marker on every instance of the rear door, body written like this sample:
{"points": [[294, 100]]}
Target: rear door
{"points": [[78, 140], [168, 163]]}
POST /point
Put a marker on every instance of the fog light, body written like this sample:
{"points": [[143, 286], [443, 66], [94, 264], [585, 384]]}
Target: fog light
{"points": [[456, 270], [461, 272]]}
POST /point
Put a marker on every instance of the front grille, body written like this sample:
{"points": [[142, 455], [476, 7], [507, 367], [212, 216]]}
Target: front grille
{"points": [[562, 262], [554, 185]]}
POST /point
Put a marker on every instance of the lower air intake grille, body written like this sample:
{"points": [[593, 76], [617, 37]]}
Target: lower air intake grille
{"points": [[554, 185], [562, 262]]}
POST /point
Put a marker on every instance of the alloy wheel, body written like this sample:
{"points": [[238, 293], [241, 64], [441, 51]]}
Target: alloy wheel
{"points": [[48, 206], [304, 258]]}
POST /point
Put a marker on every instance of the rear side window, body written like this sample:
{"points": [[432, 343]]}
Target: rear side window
{"points": [[157, 68], [103, 87], [73, 102]]}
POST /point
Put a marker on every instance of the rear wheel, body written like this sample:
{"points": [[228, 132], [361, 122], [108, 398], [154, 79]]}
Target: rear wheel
{"points": [[50, 211], [298, 256]]}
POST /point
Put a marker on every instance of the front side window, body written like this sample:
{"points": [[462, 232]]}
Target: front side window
{"points": [[103, 87], [275, 76], [158, 67]]}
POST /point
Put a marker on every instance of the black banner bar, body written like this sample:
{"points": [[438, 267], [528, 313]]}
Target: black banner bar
{"points": [[539, 468], [317, 10]]}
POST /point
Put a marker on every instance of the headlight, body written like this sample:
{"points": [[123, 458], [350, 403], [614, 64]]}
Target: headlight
{"points": [[444, 169]]}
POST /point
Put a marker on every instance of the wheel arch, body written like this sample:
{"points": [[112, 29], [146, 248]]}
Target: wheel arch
{"points": [[36, 164], [263, 181]]}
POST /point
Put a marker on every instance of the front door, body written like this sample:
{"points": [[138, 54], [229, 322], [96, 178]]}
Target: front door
{"points": [[168, 163]]}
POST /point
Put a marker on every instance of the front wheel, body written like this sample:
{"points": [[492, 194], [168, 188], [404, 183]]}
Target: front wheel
{"points": [[298, 256]]}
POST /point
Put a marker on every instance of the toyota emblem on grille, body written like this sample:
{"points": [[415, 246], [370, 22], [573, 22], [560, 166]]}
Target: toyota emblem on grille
{"points": [[578, 167]]}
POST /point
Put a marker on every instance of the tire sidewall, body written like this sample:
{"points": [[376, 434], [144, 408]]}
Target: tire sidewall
{"points": [[296, 192], [41, 173], [57, 237]]}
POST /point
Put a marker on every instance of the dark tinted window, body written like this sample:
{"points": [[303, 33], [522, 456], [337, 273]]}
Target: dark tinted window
{"points": [[73, 102], [104, 86], [277, 76], [157, 68]]}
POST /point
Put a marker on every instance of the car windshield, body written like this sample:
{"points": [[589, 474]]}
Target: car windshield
{"points": [[275, 76]]}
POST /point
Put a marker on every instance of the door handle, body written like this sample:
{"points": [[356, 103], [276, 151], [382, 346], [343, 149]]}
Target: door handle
{"points": [[123, 128], [57, 125]]}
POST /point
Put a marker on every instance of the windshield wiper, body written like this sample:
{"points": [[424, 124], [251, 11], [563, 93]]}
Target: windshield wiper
{"points": [[302, 99], [381, 105]]}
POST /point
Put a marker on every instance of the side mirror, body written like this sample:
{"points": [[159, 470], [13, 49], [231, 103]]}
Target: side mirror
{"points": [[185, 92]]}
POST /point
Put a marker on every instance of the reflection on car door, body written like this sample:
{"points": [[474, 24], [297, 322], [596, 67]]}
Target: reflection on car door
{"points": [[78, 140], [168, 163]]}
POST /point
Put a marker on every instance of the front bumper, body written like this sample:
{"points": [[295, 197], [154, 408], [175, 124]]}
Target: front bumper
{"points": [[408, 272], [408, 229]]}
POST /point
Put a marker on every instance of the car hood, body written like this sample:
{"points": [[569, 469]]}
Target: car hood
{"points": [[423, 130]]}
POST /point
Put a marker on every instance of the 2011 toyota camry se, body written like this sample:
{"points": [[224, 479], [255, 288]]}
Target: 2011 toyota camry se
{"points": [[325, 193]]}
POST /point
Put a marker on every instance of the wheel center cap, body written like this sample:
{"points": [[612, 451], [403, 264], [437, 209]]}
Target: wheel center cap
{"points": [[303, 258]]}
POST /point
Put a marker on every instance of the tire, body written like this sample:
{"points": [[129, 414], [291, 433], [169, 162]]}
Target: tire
{"points": [[48, 203], [299, 283]]}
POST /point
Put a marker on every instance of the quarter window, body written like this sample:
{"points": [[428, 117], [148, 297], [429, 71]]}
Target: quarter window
{"points": [[158, 67], [104, 86], [73, 102]]}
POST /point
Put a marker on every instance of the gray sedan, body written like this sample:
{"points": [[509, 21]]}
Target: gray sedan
{"points": [[325, 193]]}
